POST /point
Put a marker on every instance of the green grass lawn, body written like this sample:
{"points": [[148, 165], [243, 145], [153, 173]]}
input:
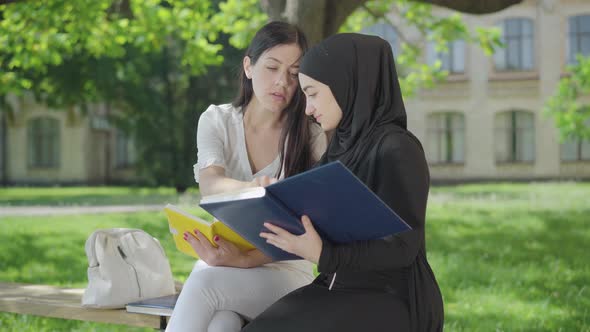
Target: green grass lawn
{"points": [[508, 257]]}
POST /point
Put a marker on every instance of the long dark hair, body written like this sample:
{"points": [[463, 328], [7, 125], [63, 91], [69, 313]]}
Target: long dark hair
{"points": [[298, 157]]}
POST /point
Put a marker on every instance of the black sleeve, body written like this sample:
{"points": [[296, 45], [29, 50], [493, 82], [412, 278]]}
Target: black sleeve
{"points": [[402, 182]]}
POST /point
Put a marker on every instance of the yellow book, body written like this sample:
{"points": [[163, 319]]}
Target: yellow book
{"points": [[181, 221]]}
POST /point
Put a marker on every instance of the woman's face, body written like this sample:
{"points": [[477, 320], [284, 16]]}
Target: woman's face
{"points": [[321, 103], [274, 76]]}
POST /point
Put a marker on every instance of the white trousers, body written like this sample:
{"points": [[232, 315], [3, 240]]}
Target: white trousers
{"points": [[218, 299]]}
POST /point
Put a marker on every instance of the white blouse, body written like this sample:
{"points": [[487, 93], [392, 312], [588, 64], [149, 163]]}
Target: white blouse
{"points": [[221, 142]]}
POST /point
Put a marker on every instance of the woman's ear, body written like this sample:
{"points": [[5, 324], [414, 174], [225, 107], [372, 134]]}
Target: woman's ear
{"points": [[247, 67]]}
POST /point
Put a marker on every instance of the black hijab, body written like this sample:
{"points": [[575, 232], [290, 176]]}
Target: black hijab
{"points": [[360, 71], [372, 140]]}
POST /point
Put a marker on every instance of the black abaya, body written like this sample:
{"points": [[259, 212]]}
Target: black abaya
{"points": [[377, 285]]}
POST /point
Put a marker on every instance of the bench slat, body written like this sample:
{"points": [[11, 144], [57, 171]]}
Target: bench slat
{"points": [[51, 301]]}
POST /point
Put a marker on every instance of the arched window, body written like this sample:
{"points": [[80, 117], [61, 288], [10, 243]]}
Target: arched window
{"points": [[446, 137], [518, 51], [515, 136], [43, 143]]}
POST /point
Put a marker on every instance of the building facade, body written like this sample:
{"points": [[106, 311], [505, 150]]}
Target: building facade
{"points": [[42, 146], [486, 122]]}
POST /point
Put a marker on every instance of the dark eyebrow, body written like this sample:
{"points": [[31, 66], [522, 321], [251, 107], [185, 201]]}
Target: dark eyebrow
{"points": [[296, 65], [307, 87], [275, 59]]}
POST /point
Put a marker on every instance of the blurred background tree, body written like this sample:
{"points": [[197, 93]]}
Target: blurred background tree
{"points": [[571, 116], [158, 64]]}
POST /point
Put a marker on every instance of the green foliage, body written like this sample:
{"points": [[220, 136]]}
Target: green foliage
{"points": [[414, 73], [571, 115], [159, 64], [240, 19], [35, 35]]}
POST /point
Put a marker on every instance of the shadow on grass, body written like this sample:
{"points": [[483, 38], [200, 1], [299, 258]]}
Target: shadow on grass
{"points": [[27, 323], [539, 268]]}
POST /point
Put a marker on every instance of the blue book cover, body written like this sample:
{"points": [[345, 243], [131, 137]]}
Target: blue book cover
{"points": [[341, 207]]}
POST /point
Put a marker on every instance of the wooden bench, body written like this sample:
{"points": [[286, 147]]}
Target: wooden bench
{"points": [[56, 302]]}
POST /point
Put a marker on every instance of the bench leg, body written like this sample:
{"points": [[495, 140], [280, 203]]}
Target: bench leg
{"points": [[163, 323]]}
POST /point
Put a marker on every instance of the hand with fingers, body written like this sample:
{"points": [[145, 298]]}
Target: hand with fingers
{"points": [[225, 254], [307, 245]]}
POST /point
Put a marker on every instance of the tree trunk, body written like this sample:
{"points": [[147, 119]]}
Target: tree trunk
{"points": [[322, 18]]}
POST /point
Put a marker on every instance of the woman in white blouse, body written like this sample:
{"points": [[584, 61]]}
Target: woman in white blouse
{"points": [[262, 136]]}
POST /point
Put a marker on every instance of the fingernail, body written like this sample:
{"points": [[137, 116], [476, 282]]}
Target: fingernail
{"points": [[216, 238]]}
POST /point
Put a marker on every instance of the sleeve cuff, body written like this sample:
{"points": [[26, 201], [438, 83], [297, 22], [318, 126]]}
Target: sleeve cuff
{"points": [[215, 161]]}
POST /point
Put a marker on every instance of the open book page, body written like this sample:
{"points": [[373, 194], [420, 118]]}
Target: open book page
{"points": [[245, 193]]}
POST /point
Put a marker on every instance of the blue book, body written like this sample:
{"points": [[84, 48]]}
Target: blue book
{"points": [[341, 207], [158, 306]]}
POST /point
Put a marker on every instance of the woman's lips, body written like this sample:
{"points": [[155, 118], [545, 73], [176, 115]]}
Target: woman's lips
{"points": [[278, 96]]}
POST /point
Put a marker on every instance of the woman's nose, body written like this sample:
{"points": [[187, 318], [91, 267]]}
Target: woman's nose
{"points": [[283, 79], [309, 109]]}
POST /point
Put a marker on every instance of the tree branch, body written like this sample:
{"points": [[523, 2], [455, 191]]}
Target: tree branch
{"points": [[473, 6]]}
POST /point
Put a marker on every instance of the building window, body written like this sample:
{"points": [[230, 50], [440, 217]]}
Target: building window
{"points": [[385, 31], [579, 37], [575, 150], [43, 143], [518, 51], [446, 138], [453, 60], [125, 150], [515, 137]]}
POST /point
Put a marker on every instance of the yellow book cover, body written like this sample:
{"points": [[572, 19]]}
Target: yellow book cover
{"points": [[181, 221]]}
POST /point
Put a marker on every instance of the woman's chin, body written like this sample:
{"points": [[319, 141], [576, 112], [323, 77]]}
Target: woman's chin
{"points": [[275, 107]]}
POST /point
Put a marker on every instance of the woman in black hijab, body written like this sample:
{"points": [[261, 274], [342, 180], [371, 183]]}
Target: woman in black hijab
{"points": [[380, 285]]}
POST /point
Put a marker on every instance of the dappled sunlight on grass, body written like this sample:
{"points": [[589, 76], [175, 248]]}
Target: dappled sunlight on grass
{"points": [[515, 262], [507, 257]]}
